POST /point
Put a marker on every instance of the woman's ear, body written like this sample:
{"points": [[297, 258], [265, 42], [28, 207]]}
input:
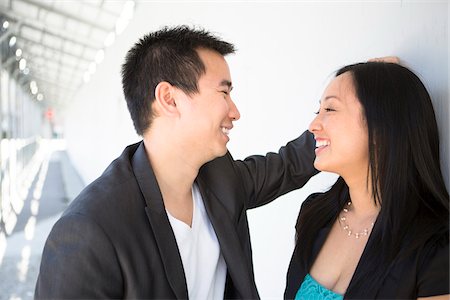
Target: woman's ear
{"points": [[165, 99]]}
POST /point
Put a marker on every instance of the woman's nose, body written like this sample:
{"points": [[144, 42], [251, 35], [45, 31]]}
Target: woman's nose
{"points": [[315, 125]]}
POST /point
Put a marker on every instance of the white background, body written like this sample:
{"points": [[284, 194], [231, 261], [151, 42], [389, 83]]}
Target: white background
{"points": [[287, 51]]}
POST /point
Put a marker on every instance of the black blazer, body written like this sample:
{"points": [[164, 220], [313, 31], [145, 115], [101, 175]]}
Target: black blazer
{"points": [[420, 273], [115, 239]]}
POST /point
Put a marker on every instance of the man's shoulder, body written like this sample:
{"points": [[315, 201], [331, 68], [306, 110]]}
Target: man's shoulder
{"points": [[116, 182], [122, 165], [119, 171]]}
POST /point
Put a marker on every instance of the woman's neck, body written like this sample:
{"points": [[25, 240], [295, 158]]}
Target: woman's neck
{"points": [[362, 198]]}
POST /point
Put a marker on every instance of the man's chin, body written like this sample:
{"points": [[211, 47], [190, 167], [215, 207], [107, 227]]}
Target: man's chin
{"points": [[223, 152], [218, 154]]}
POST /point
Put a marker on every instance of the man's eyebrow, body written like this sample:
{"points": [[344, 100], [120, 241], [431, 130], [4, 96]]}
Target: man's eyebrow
{"points": [[226, 83]]}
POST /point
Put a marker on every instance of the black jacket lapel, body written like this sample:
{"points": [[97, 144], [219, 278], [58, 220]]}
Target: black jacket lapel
{"points": [[218, 210], [159, 223]]}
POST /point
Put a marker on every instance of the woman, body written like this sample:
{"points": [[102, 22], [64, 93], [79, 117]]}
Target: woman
{"points": [[381, 231]]}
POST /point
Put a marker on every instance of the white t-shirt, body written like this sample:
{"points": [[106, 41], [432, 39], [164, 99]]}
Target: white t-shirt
{"points": [[204, 267]]}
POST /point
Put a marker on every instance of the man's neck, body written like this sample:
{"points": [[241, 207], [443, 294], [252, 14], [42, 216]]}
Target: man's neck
{"points": [[175, 171]]}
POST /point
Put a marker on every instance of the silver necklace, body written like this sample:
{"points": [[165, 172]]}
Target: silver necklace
{"points": [[346, 227]]}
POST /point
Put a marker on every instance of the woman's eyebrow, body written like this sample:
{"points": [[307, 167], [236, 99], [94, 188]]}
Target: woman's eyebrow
{"points": [[332, 96]]}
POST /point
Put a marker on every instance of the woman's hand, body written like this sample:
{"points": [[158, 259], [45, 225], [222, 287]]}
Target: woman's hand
{"points": [[388, 59]]}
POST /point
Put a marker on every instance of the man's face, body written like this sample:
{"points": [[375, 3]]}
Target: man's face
{"points": [[208, 115]]}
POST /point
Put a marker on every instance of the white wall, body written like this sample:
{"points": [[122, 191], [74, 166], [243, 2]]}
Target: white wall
{"points": [[286, 53]]}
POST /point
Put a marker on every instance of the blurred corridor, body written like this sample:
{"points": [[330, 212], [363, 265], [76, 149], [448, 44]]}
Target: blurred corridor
{"points": [[46, 186], [48, 50]]}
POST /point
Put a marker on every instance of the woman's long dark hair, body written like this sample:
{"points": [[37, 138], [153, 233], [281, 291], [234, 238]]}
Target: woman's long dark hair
{"points": [[404, 166]]}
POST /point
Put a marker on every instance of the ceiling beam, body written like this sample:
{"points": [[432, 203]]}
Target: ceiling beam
{"points": [[65, 80], [79, 57], [103, 9], [9, 31], [64, 14], [61, 37], [20, 21], [52, 83], [30, 54], [54, 64]]}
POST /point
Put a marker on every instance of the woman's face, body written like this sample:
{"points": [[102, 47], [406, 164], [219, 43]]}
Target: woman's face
{"points": [[340, 130]]}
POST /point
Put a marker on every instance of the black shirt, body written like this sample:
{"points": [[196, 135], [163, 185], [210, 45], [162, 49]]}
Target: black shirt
{"points": [[423, 272]]}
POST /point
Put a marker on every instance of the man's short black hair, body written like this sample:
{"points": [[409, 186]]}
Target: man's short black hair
{"points": [[167, 55]]}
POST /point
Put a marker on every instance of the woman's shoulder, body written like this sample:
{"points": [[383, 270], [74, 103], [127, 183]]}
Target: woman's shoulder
{"points": [[328, 199], [311, 198], [432, 231], [433, 266], [438, 242], [430, 239], [314, 205]]}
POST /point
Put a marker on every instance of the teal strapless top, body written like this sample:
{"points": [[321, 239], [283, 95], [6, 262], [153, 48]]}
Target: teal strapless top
{"points": [[312, 290]]}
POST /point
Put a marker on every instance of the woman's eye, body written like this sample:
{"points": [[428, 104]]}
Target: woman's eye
{"points": [[326, 110]]}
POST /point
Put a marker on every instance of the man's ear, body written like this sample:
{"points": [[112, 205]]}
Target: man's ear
{"points": [[165, 99]]}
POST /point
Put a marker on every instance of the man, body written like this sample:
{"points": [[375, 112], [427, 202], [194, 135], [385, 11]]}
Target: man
{"points": [[167, 219]]}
